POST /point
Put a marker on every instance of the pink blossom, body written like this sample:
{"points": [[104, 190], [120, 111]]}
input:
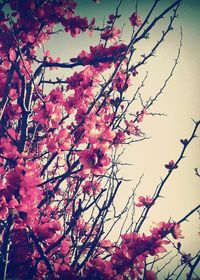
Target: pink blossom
{"points": [[121, 81], [91, 187], [13, 94], [111, 34], [12, 54], [144, 201], [163, 229], [94, 161], [140, 115], [135, 19], [132, 128], [150, 275], [171, 165], [111, 18], [3, 208], [47, 230], [75, 25], [55, 96], [119, 138], [48, 114], [176, 232], [60, 141], [103, 266]]}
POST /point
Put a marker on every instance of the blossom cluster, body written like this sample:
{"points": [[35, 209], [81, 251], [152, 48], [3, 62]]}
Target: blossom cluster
{"points": [[128, 259], [56, 146]]}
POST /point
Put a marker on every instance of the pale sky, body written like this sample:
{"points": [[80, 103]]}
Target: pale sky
{"points": [[180, 101]]}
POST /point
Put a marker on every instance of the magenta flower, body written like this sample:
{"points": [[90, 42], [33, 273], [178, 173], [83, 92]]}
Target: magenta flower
{"points": [[3, 208], [171, 165], [144, 201], [135, 19], [94, 161]]}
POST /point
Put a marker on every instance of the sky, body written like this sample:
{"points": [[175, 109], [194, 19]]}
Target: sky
{"points": [[179, 101]]}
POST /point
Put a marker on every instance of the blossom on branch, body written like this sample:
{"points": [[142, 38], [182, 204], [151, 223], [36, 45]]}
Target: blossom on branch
{"points": [[64, 123], [135, 19], [144, 201], [94, 161]]}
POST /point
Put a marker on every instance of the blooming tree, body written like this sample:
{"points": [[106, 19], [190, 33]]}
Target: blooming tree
{"points": [[60, 147]]}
